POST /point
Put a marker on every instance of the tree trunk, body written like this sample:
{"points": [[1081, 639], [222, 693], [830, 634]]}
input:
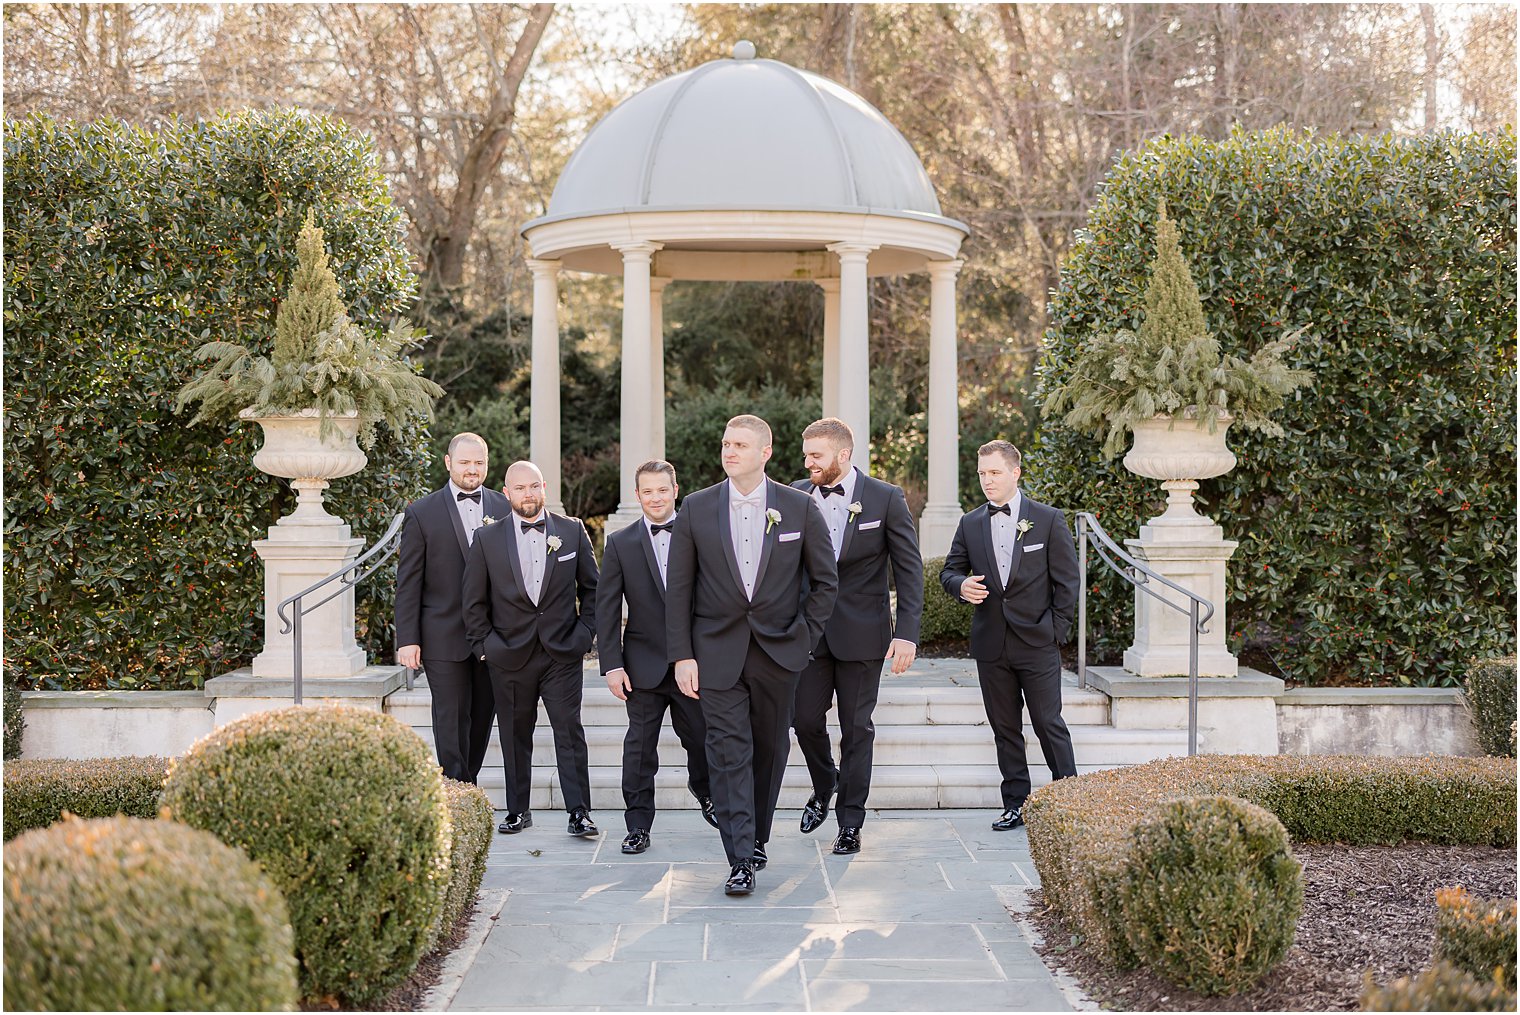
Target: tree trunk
{"points": [[1432, 63]]}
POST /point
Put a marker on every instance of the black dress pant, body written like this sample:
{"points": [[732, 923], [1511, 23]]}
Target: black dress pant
{"points": [[856, 685], [518, 693], [748, 741], [1025, 675], [641, 756], [463, 710]]}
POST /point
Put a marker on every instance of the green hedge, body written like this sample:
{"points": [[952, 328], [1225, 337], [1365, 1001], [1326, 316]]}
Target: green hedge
{"points": [[1377, 539], [471, 822], [38, 792], [127, 533], [946, 622], [1490, 695], [15, 720], [1477, 935], [1080, 830], [122, 914], [1442, 987]]}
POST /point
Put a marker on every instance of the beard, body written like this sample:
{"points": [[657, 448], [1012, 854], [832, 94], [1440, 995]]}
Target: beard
{"points": [[528, 507], [830, 475]]}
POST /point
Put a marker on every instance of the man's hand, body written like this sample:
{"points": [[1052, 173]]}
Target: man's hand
{"points": [[619, 684], [686, 677], [409, 656], [902, 654], [972, 589]]}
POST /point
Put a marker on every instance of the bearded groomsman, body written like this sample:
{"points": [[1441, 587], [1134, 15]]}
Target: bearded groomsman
{"points": [[522, 583], [634, 663], [873, 539], [435, 538], [752, 580], [1015, 559]]}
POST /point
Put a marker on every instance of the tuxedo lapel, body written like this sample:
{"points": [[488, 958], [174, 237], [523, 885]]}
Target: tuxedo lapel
{"points": [[517, 571], [769, 531], [1018, 551], [849, 522], [646, 540], [982, 526], [551, 557], [725, 533], [451, 505]]}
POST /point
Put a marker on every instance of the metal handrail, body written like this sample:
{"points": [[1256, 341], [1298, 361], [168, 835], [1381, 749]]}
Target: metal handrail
{"points": [[347, 579], [1138, 575]]}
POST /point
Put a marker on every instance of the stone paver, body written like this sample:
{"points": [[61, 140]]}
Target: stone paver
{"points": [[918, 921]]}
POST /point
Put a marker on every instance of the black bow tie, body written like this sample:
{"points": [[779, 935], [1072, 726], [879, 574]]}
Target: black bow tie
{"points": [[1006, 509], [468, 496], [657, 529], [829, 491], [529, 526]]}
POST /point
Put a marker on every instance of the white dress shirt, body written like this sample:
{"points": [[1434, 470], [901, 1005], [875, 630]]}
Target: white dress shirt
{"points": [[471, 512], [531, 551], [661, 541], [1005, 536], [836, 509], [746, 524]]}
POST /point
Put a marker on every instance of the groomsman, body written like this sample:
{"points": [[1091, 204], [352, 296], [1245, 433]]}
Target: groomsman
{"points": [[1014, 558], [870, 528], [634, 566], [522, 582], [751, 581], [435, 538]]}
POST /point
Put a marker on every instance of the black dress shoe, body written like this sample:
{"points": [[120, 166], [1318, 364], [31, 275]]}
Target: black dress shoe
{"points": [[514, 823], [848, 840], [636, 842], [741, 880], [580, 824], [709, 812], [813, 813], [759, 860], [1009, 820]]}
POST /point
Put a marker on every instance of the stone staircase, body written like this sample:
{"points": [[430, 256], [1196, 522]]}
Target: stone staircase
{"points": [[933, 747]]}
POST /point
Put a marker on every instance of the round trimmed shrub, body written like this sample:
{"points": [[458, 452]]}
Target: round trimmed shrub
{"points": [[124, 914], [1211, 893], [471, 821], [1442, 987], [345, 809]]}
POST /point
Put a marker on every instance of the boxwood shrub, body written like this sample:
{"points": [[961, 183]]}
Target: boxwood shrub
{"points": [[1477, 935], [1490, 696], [122, 914], [15, 720], [127, 532], [1377, 539], [345, 809], [946, 622], [37, 792], [471, 822], [1441, 987]]}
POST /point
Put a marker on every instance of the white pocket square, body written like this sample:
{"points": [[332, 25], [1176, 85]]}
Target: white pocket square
{"points": [[1036, 546], [571, 556], [787, 537], [869, 525]]}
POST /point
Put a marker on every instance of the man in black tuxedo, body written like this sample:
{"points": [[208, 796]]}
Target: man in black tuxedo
{"points": [[752, 580], [522, 583], [435, 538], [634, 564], [1015, 559], [870, 527]]}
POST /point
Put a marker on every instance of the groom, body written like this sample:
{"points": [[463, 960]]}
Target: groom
{"points": [[750, 582]]}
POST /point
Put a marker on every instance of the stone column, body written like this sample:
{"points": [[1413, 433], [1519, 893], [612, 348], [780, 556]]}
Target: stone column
{"points": [[543, 410], [635, 431], [830, 287], [657, 366], [942, 508], [1196, 557], [855, 347]]}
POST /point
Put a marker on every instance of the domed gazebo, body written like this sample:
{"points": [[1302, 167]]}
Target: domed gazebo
{"points": [[747, 170]]}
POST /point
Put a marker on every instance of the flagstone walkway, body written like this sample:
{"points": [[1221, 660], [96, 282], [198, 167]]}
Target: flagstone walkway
{"points": [[923, 919]]}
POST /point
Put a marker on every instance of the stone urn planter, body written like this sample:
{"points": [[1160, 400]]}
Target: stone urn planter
{"points": [[1180, 452], [295, 449]]}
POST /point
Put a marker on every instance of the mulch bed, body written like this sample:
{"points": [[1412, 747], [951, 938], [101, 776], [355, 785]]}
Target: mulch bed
{"points": [[1365, 908]]}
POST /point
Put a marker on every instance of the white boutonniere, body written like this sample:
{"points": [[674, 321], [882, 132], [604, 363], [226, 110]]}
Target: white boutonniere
{"points": [[772, 519], [1025, 525], [855, 509], [553, 543], [487, 520]]}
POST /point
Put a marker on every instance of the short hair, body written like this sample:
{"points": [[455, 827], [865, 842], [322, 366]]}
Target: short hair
{"points": [[1004, 448], [755, 425], [835, 431], [655, 465], [461, 438]]}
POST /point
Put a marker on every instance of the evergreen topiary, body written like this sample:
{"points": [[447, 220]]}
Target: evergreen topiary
{"points": [[1442, 987], [123, 914], [471, 821], [1490, 695], [345, 809], [38, 792], [1210, 893], [1477, 935]]}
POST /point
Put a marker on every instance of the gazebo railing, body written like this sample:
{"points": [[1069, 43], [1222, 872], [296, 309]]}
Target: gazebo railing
{"points": [[347, 578], [1199, 609]]}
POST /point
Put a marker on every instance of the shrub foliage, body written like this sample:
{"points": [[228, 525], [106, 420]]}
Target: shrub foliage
{"points": [[37, 792], [1377, 540], [127, 533], [946, 621], [122, 914], [345, 809], [1442, 987], [1490, 694], [1477, 935], [472, 821], [15, 720]]}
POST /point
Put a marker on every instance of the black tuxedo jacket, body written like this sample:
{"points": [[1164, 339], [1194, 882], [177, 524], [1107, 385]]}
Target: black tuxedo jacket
{"points": [[707, 615], [630, 571], [501, 621], [860, 628], [1041, 594], [430, 573]]}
